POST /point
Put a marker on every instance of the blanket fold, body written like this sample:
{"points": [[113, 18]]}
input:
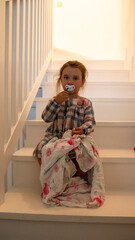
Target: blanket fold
{"points": [[57, 171]]}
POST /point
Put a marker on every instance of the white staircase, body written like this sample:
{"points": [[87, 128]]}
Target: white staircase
{"points": [[23, 215]]}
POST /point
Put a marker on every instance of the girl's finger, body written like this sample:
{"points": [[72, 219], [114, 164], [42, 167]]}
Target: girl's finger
{"points": [[75, 132], [78, 128]]}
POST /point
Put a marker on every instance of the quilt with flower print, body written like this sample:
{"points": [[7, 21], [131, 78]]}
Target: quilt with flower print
{"points": [[57, 170]]}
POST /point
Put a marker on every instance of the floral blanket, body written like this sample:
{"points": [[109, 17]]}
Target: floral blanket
{"points": [[57, 171]]}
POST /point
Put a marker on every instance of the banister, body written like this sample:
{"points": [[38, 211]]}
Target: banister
{"points": [[23, 68], [2, 78]]}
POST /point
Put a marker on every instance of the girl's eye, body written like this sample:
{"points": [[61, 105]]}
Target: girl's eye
{"points": [[66, 77], [75, 78]]}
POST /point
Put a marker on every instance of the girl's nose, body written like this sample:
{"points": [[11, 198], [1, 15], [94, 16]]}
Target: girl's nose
{"points": [[70, 81]]}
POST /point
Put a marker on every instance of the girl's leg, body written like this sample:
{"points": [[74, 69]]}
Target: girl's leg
{"points": [[79, 171], [39, 161], [72, 156]]}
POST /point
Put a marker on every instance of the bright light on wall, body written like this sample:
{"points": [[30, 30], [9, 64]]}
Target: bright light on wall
{"points": [[59, 4], [90, 28]]}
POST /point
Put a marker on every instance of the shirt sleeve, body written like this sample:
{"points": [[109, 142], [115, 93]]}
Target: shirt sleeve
{"points": [[89, 119], [49, 113]]}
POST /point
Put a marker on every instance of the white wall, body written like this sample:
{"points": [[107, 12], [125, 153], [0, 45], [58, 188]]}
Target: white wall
{"points": [[92, 28], [129, 34]]}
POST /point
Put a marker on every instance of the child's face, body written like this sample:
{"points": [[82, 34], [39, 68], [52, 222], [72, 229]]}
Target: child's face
{"points": [[72, 76]]}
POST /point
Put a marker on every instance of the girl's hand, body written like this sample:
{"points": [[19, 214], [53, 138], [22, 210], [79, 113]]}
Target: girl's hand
{"points": [[61, 97], [78, 131]]}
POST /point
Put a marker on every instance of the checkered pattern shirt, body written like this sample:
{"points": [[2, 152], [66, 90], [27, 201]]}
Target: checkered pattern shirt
{"points": [[77, 112]]}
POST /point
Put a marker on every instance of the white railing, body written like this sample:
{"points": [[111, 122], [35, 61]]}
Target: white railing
{"points": [[25, 53]]}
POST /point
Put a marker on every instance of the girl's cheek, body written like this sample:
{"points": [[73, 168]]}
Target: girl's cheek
{"points": [[63, 85], [77, 88]]}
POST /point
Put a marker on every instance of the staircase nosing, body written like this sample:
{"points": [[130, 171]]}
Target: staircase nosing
{"points": [[98, 83], [98, 99], [105, 214], [98, 123], [106, 155]]}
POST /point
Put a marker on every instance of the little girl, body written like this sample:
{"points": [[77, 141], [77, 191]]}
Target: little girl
{"points": [[71, 171], [68, 110]]}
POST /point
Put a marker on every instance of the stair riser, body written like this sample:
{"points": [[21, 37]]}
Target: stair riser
{"points": [[97, 76], [105, 136], [99, 65], [21, 229], [114, 137], [104, 110], [96, 90], [26, 174], [118, 176]]}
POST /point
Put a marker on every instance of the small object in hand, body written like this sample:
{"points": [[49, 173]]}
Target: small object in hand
{"points": [[70, 88], [134, 148]]}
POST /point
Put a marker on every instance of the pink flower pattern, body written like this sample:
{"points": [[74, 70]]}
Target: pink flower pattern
{"points": [[94, 150], [70, 141], [57, 201], [77, 148], [75, 185], [82, 102], [99, 200], [90, 160], [69, 198], [57, 194], [87, 204], [79, 103], [86, 103], [55, 144], [45, 189], [79, 156], [56, 168], [48, 152]]}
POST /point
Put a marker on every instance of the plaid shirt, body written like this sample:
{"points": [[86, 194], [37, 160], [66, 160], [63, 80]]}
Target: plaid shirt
{"points": [[77, 112]]}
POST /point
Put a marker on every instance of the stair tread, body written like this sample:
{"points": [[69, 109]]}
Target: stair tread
{"points": [[60, 55], [114, 71], [118, 83], [107, 155], [26, 204], [98, 123], [106, 99]]}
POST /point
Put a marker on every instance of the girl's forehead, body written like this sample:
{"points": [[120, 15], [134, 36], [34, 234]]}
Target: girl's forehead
{"points": [[72, 70]]}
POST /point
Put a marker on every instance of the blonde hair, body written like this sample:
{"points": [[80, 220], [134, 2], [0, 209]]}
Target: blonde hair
{"points": [[73, 64]]}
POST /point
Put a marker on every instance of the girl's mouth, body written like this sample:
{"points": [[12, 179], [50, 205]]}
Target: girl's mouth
{"points": [[70, 88]]}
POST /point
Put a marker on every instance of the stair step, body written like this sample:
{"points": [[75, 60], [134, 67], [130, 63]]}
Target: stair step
{"points": [[97, 89], [119, 134], [26, 169], [64, 55], [96, 75], [23, 209], [105, 109], [119, 208], [92, 64], [107, 155], [118, 165]]}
